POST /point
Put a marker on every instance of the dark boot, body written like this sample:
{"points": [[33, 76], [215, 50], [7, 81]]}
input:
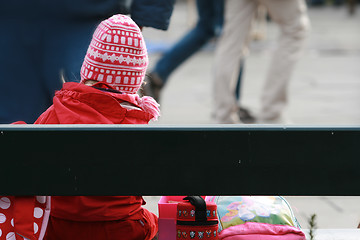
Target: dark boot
{"points": [[245, 115], [152, 86]]}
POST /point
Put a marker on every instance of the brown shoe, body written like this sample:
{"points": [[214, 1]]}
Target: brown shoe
{"points": [[246, 116], [152, 86]]}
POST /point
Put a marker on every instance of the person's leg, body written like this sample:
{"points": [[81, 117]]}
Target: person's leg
{"points": [[238, 83], [351, 5], [338, 2], [151, 226], [244, 114], [317, 2], [218, 19], [237, 23], [59, 229], [194, 40], [292, 18]]}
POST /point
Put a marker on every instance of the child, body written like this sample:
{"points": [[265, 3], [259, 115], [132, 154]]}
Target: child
{"points": [[111, 74]]}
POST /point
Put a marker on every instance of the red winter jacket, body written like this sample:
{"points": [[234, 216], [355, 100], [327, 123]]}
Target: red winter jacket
{"points": [[80, 104], [77, 103]]}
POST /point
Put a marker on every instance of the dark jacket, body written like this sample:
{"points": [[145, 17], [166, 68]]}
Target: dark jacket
{"points": [[43, 39], [146, 13], [152, 13]]}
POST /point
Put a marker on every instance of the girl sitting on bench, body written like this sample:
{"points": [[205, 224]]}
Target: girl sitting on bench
{"points": [[112, 72]]}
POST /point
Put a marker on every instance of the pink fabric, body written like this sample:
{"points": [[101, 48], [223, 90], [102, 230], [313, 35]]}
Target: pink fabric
{"points": [[148, 104], [117, 55], [261, 231]]}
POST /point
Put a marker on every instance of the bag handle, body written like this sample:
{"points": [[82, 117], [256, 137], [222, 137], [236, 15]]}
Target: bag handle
{"points": [[200, 207]]}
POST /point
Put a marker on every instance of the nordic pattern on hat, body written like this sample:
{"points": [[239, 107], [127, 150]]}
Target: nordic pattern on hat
{"points": [[117, 55]]}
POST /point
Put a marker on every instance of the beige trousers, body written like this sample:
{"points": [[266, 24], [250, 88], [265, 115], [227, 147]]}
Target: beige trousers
{"points": [[291, 16]]}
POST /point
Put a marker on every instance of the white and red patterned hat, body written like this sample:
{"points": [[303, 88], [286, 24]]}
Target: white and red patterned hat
{"points": [[117, 55]]}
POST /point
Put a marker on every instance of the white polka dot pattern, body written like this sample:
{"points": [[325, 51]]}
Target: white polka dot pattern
{"points": [[5, 203], [36, 228], [35, 205], [41, 199], [2, 218], [38, 212], [10, 236]]}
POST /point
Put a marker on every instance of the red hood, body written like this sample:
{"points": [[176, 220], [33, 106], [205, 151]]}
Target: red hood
{"points": [[80, 104]]}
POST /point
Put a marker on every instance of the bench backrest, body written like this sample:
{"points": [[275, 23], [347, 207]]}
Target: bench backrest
{"points": [[179, 160]]}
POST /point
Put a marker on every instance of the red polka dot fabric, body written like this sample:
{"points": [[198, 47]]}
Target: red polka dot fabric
{"points": [[23, 217]]}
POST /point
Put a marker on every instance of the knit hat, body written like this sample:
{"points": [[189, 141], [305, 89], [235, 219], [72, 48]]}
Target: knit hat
{"points": [[117, 55]]}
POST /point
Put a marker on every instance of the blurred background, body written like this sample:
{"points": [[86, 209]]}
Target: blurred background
{"points": [[324, 89]]}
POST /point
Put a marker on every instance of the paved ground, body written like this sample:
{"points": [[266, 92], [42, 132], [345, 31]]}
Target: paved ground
{"points": [[325, 90]]}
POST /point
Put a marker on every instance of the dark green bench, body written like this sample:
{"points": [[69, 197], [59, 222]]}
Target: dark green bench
{"points": [[179, 160]]}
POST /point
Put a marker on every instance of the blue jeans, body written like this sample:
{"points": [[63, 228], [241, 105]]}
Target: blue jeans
{"points": [[209, 25]]}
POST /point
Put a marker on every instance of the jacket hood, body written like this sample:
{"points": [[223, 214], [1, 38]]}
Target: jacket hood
{"points": [[80, 104]]}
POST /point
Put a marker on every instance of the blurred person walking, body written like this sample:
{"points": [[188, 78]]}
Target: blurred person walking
{"points": [[292, 18], [208, 26], [42, 40]]}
